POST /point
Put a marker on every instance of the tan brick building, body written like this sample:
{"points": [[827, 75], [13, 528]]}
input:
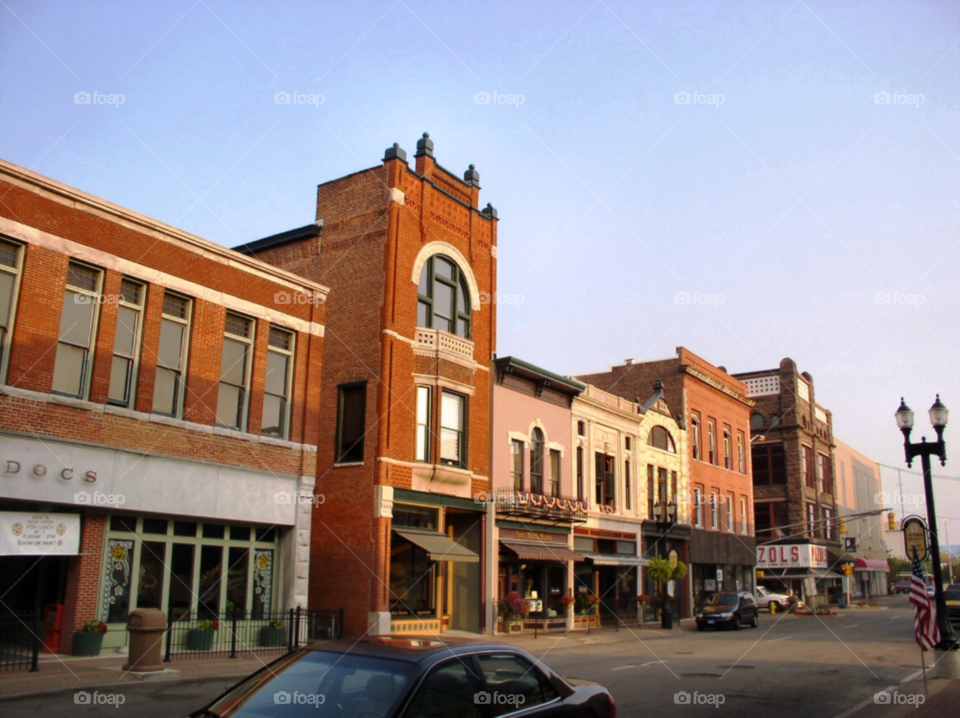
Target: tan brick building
{"points": [[159, 405], [404, 433]]}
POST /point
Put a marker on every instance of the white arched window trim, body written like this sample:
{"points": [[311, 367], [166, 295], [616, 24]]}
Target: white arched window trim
{"points": [[432, 248]]}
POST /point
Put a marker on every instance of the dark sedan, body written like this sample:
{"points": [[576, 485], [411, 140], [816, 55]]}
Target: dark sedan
{"points": [[409, 677], [728, 609]]}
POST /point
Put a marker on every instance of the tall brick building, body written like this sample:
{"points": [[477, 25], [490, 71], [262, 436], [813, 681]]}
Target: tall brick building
{"points": [[159, 408], [404, 433], [713, 409]]}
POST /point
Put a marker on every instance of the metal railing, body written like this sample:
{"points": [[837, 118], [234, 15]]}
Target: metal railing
{"points": [[20, 642]]}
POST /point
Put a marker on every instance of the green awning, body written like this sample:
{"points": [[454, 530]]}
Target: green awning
{"points": [[438, 546]]}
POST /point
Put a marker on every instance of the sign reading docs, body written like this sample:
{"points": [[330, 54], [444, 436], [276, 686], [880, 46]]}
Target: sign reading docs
{"points": [[30, 534]]}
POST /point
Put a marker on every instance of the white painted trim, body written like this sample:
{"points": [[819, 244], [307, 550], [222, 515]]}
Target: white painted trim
{"points": [[438, 247], [444, 383], [106, 260]]}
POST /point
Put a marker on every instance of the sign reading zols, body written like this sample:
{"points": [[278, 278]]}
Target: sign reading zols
{"points": [[803, 555], [23, 533]]}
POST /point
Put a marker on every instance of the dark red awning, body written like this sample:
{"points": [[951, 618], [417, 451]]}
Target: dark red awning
{"points": [[871, 564]]}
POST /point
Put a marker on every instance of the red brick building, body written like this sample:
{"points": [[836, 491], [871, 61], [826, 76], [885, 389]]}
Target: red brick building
{"points": [[159, 408], [404, 433], [714, 409]]}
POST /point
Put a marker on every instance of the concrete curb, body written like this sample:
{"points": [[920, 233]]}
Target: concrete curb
{"points": [[98, 686]]}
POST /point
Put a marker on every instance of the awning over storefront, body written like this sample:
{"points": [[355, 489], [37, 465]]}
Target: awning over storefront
{"points": [[438, 546], [870, 564], [542, 551], [817, 573], [606, 560]]}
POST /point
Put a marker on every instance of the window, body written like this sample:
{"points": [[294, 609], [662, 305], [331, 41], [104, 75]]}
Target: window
{"points": [[78, 318], [351, 422], [126, 343], [769, 465], [449, 689], [741, 455], [824, 474], [659, 438], [731, 518], [695, 435], [711, 441], [581, 428], [516, 452], [235, 372], [580, 494], [443, 301], [605, 478], [806, 466], [811, 519], [714, 511], [554, 472], [698, 506], [536, 461], [453, 420], [168, 389], [276, 390], [770, 518], [673, 487], [727, 446], [756, 422], [628, 443], [10, 262], [651, 491], [828, 524], [662, 487], [627, 499], [510, 675], [423, 423], [743, 515]]}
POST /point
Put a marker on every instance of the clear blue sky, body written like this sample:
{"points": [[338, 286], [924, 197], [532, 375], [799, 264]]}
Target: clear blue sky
{"points": [[786, 209]]}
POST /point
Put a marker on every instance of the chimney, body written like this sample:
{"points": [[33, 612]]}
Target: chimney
{"points": [[628, 362], [424, 155]]}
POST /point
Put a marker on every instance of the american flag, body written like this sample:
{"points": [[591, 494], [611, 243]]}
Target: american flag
{"points": [[924, 625]]}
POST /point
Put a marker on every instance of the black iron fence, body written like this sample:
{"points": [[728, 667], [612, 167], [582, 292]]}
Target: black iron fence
{"points": [[20, 641], [233, 633]]}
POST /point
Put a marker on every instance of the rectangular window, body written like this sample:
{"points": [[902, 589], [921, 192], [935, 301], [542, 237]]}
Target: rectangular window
{"points": [[11, 259], [126, 343], [743, 516], [662, 487], [235, 372], [731, 518], [824, 474], [698, 506], [453, 420], [770, 518], [605, 479], [741, 455], [516, 453], [423, 423], [711, 441], [351, 422], [806, 467], [627, 499], [78, 319], [828, 524], [714, 511], [727, 449], [554, 472], [580, 495], [811, 519], [769, 465], [278, 382], [695, 435], [673, 487], [651, 491], [170, 385]]}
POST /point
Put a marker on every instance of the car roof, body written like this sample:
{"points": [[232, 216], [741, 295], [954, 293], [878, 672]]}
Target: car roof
{"points": [[412, 649]]}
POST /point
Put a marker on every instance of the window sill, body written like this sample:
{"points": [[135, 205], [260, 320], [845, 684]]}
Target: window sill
{"points": [[75, 403], [347, 464], [234, 433]]}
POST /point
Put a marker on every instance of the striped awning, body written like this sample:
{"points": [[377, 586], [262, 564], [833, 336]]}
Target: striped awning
{"points": [[871, 564], [438, 546], [541, 551], [607, 560]]}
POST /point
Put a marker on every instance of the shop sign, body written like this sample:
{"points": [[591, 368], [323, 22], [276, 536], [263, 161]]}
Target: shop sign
{"points": [[915, 537], [23, 533], [533, 536], [802, 555], [673, 559]]}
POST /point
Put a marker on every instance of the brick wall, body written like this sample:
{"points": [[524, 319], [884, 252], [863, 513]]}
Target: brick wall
{"points": [[83, 579]]}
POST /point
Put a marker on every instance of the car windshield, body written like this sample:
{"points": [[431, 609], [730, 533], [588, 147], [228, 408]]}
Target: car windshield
{"points": [[319, 684], [761, 591], [722, 599]]}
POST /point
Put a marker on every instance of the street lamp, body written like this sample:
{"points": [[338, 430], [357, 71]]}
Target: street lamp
{"points": [[938, 419], [665, 516]]}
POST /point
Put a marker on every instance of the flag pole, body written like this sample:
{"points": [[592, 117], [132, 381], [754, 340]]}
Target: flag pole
{"points": [[923, 665]]}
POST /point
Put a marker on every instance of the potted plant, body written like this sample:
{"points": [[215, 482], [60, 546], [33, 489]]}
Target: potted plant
{"points": [[89, 640], [272, 634], [201, 637], [567, 600], [513, 609], [660, 570]]}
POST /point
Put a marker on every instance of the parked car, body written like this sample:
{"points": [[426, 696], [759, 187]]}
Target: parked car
{"points": [[409, 677], [901, 587], [773, 601], [728, 609], [952, 598]]}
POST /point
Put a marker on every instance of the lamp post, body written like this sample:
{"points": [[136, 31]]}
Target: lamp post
{"points": [[938, 419], [665, 515]]}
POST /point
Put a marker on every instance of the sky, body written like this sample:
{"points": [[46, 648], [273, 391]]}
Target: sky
{"points": [[750, 180]]}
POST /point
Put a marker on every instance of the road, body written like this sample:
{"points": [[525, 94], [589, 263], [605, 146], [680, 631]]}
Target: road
{"points": [[789, 666]]}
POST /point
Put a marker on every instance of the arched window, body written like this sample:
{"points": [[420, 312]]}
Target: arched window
{"points": [[756, 421], [536, 462], [660, 438], [443, 300]]}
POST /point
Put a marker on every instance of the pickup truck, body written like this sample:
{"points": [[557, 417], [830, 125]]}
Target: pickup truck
{"points": [[773, 601]]}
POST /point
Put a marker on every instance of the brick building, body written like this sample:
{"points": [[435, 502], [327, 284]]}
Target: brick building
{"points": [[159, 408], [404, 431], [793, 482], [712, 408]]}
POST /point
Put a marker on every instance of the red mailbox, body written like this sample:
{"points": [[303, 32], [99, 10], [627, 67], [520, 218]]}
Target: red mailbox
{"points": [[52, 627]]}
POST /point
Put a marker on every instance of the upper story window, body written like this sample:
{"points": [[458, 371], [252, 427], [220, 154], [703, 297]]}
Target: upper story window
{"points": [[727, 448], [443, 300], [605, 478], [536, 461], [711, 441], [698, 506], [11, 260], [516, 468], [743, 516], [554, 472], [695, 435], [741, 454], [235, 372], [659, 438], [351, 422], [769, 465], [581, 428], [78, 319], [424, 407], [126, 343], [756, 422], [277, 385], [806, 466], [580, 494], [453, 424], [170, 384]]}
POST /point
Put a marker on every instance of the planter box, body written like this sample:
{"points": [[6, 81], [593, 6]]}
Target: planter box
{"points": [[198, 640], [87, 644], [271, 637]]}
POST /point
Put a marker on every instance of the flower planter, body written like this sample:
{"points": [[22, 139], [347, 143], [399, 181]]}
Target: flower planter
{"points": [[199, 639], [86, 643], [271, 637], [514, 626]]}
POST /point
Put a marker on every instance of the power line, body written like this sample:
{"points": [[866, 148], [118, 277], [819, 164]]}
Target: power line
{"points": [[917, 473]]}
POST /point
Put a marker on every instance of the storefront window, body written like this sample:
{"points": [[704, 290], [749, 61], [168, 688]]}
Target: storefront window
{"points": [[412, 580], [238, 569], [179, 599], [152, 572], [211, 571], [116, 581]]}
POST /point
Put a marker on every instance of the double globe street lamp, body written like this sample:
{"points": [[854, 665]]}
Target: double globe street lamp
{"points": [[665, 516], [924, 449]]}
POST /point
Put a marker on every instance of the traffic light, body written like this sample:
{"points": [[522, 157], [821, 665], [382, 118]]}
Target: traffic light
{"points": [[843, 525], [891, 522]]}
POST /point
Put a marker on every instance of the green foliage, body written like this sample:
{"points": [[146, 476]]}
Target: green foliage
{"points": [[659, 569]]}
